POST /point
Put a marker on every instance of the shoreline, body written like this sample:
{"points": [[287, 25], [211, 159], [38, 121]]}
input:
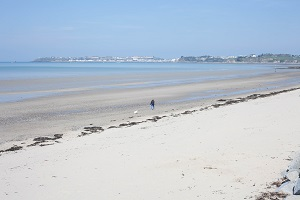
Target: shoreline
{"points": [[211, 152], [71, 112], [91, 129]]}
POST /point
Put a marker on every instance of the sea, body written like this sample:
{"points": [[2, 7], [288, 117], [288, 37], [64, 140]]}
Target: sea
{"points": [[27, 80]]}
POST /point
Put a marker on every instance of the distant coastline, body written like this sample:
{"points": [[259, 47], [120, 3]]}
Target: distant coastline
{"points": [[252, 58]]}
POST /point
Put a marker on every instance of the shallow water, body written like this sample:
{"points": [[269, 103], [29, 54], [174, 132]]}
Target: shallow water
{"points": [[22, 81]]}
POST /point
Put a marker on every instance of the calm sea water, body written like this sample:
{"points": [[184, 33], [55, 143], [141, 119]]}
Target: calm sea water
{"points": [[16, 79], [10, 71]]}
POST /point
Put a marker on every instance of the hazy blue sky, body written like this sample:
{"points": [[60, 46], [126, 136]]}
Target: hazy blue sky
{"points": [[169, 29]]}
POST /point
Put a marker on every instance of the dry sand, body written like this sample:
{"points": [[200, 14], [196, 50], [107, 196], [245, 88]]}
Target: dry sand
{"points": [[221, 152]]}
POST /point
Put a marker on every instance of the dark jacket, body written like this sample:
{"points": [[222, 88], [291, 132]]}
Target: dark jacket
{"points": [[152, 102]]}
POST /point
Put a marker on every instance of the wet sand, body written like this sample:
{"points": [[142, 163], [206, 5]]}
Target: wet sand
{"points": [[69, 112]]}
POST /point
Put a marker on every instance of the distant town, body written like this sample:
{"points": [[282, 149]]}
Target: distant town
{"points": [[150, 59], [252, 58]]}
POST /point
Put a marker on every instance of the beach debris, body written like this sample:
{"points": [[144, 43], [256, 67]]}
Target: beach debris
{"points": [[271, 195], [135, 112], [209, 168], [280, 182], [217, 105], [188, 112], [133, 123], [250, 97], [123, 124], [130, 124], [44, 139], [94, 129], [156, 118], [153, 119], [13, 148], [83, 134], [222, 100], [42, 145], [112, 127], [205, 108], [41, 140], [91, 129]]}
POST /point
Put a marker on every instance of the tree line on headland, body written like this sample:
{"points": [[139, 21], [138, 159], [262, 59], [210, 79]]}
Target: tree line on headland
{"points": [[262, 58], [252, 58]]}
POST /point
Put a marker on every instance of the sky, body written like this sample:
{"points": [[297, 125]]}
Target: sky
{"points": [[168, 29]]}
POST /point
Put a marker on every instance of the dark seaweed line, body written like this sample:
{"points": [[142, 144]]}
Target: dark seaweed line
{"points": [[98, 129], [157, 118]]}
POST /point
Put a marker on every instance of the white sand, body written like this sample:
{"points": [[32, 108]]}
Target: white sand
{"points": [[230, 152]]}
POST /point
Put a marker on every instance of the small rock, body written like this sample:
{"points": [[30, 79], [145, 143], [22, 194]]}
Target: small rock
{"points": [[292, 175], [296, 190]]}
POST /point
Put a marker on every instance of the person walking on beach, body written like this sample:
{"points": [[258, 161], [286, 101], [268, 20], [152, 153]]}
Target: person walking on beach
{"points": [[152, 104]]}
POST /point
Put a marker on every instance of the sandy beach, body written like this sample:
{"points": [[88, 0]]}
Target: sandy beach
{"points": [[233, 149], [150, 100], [81, 105]]}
